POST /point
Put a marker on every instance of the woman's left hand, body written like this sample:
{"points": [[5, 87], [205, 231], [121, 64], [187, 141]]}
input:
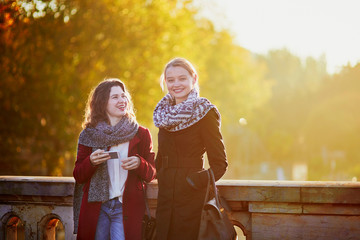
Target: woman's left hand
{"points": [[130, 163]]}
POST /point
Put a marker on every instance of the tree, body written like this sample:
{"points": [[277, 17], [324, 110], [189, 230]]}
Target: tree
{"points": [[282, 117], [332, 127], [54, 52]]}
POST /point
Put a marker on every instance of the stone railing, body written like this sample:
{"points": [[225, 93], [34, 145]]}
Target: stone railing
{"points": [[36, 207], [41, 208]]}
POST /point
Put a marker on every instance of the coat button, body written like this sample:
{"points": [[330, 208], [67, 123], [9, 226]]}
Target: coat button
{"points": [[125, 217]]}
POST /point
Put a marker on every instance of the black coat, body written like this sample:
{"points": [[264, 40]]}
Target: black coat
{"points": [[181, 176]]}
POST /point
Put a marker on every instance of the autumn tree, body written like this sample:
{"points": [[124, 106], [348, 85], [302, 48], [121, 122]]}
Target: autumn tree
{"points": [[279, 122], [332, 127], [54, 52]]}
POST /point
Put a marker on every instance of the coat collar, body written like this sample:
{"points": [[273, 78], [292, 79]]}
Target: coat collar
{"points": [[133, 142]]}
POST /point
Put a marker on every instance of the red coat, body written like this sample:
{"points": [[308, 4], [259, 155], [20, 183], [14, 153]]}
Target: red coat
{"points": [[133, 199]]}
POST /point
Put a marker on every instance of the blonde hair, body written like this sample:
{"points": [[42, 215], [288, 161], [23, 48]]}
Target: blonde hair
{"points": [[97, 101], [179, 62]]}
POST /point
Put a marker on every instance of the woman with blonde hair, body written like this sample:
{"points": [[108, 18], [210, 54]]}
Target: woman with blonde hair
{"points": [[189, 126]]}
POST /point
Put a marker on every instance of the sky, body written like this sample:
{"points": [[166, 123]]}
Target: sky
{"points": [[304, 27]]}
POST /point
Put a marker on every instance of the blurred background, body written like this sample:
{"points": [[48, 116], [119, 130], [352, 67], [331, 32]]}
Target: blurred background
{"points": [[286, 113]]}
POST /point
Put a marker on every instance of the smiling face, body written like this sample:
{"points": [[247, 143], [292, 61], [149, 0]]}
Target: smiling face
{"points": [[179, 82], [117, 105]]}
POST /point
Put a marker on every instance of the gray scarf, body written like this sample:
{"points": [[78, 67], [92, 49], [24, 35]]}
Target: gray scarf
{"points": [[101, 137], [104, 135], [175, 117]]}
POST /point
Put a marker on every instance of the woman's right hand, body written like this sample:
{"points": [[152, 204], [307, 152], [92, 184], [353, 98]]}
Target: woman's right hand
{"points": [[99, 156]]}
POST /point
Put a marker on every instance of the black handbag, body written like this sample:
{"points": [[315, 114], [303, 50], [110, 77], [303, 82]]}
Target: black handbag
{"points": [[148, 231], [214, 223]]}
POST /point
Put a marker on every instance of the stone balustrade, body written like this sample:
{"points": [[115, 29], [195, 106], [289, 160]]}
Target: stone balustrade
{"points": [[41, 208], [36, 207]]}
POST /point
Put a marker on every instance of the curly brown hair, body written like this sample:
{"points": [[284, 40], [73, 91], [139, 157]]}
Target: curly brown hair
{"points": [[97, 101]]}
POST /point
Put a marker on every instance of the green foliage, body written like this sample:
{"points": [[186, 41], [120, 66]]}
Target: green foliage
{"points": [[284, 114], [233, 73], [55, 51], [333, 122], [311, 117], [36, 94]]}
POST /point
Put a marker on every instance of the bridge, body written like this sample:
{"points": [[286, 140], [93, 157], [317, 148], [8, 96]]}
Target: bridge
{"points": [[41, 208]]}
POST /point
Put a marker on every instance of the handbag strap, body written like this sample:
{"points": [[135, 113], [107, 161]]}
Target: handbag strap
{"points": [[207, 189], [212, 180], [145, 198]]}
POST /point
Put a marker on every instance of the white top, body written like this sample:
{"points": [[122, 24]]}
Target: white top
{"points": [[117, 174]]}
